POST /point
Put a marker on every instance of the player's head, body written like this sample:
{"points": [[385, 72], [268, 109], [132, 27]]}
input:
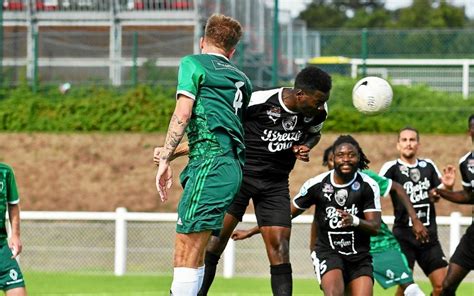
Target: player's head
{"points": [[348, 156], [470, 123], [221, 32], [312, 86], [408, 142], [328, 158]]}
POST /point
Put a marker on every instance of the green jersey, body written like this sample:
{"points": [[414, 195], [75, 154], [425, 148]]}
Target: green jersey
{"points": [[8, 194], [384, 239], [221, 93]]}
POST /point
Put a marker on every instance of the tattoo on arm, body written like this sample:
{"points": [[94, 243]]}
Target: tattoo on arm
{"points": [[175, 133]]}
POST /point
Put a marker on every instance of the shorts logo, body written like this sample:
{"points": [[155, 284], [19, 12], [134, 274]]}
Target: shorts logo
{"points": [[13, 274], [415, 175], [322, 267], [179, 221], [341, 197], [390, 274], [274, 113], [289, 123]]}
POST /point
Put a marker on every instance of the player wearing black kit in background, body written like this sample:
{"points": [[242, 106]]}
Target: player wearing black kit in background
{"points": [[348, 211], [281, 125], [462, 261], [418, 177]]}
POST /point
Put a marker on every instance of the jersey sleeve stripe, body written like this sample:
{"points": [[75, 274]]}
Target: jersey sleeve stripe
{"points": [[386, 166], [296, 205], [372, 210], [260, 97], [464, 157], [185, 93], [466, 184], [14, 202]]}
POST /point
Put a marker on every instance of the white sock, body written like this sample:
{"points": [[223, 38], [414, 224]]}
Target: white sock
{"points": [[413, 290], [200, 276], [185, 282]]}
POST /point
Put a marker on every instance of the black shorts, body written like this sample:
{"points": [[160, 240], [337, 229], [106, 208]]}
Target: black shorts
{"points": [[464, 254], [429, 256], [326, 261], [271, 199]]}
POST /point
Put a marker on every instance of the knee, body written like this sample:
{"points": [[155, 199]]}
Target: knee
{"points": [[437, 289], [216, 245], [333, 290], [279, 252], [448, 288]]}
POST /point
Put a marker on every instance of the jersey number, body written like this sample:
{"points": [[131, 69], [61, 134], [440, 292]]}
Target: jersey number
{"points": [[238, 97]]}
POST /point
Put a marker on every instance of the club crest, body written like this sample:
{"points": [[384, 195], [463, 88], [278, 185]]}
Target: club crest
{"points": [[341, 197], [289, 123], [415, 175], [355, 186], [422, 164], [470, 165]]}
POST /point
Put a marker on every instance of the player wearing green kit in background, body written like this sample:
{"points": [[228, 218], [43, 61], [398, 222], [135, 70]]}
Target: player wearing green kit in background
{"points": [[11, 278], [212, 96]]}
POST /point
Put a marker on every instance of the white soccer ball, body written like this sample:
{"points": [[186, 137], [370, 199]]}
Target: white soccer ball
{"points": [[372, 95]]}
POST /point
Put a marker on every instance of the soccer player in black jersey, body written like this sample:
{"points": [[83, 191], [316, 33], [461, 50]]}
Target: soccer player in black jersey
{"points": [[462, 261], [348, 211], [418, 176], [281, 125]]}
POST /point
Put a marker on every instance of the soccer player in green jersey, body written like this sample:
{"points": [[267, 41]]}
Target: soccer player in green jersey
{"points": [[212, 96], [11, 279]]}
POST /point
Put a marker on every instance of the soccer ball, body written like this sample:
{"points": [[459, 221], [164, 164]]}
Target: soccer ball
{"points": [[372, 95]]}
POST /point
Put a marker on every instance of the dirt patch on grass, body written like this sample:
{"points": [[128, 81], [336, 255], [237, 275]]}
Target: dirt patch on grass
{"points": [[100, 172]]}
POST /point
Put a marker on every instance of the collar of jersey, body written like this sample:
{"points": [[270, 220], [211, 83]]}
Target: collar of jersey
{"points": [[218, 54], [280, 98], [342, 185], [407, 164]]}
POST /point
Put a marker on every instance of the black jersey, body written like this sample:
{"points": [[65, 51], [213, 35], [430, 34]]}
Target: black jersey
{"points": [[417, 180], [271, 129], [361, 194], [466, 167]]}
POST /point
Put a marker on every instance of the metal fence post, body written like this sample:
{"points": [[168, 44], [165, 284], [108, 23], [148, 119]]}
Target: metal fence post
{"points": [[229, 259], [134, 59], [120, 242], [364, 52], [454, 232], [35, 62], [465, 79]]}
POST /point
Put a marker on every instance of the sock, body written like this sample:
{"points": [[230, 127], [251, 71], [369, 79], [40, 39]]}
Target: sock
{"points": [[210, 263], [200, 276], [185, 282], [413, 290], [281, 278]]}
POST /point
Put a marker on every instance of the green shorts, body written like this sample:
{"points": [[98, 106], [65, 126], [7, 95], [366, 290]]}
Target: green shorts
{"points": [[210, 185], [10, 273], [391, 268]]}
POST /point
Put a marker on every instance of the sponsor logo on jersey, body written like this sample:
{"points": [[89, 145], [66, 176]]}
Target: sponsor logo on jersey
{"points": [[355, 186], [333, 215], [274, 113], [422, 164], [415, 175], [289, 123], [419, 191], [341, 197], [404, 170], [342, 242], [280, 141]]}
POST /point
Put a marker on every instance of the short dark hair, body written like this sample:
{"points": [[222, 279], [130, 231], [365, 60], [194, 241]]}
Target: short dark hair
{"points": [[312, 78], [409, 128], [348, 139], [326, 154], [471, 118]]}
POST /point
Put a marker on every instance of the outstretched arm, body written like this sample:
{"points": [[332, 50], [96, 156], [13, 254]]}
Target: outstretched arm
{"points": [[15, 241], [419, 230], [461, 197]]}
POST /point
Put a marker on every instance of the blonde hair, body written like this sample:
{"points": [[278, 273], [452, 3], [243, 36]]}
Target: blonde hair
{"points": [[223, 32]]}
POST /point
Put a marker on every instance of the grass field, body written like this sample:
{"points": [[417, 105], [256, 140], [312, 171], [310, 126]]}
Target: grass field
{"points": [[53, 284]]}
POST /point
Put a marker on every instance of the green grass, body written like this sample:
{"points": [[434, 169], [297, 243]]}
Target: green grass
{"points": [[53, 284]]}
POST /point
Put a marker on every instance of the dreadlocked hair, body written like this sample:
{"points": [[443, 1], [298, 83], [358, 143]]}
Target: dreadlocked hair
{"points": [[347, 139]]}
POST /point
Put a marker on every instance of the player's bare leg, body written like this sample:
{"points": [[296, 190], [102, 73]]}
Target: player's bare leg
{"points": [[215, 247], [436, 278], [21, 291], [277, 244], [456, 274], [361, 286], [188, 258], [332, 283]]}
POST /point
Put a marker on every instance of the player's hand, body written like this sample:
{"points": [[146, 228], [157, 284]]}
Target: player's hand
{"points": [[346, 218], [241, 234], [434, 195], [164, 179], [301, 152], [156, 155], [15, 245], [420, 231], [449, 177]]}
